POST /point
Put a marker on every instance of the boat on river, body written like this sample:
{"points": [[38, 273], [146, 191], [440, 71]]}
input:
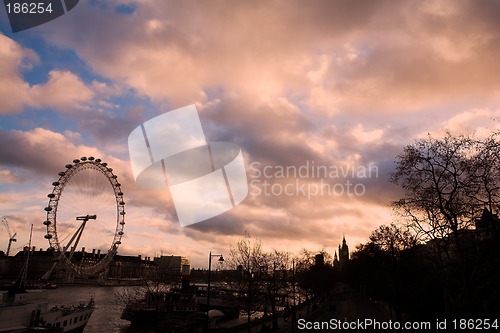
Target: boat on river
{"points": [[24, 310], [28, 310]]}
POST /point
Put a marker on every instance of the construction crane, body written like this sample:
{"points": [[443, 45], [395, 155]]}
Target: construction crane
{"points": [[12, 237]]}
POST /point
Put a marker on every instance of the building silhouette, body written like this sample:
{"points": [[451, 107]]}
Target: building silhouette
{"points": [[487, 226], [319, 259], [169, 268], [340, 261], [336, 262], [161, 269]]}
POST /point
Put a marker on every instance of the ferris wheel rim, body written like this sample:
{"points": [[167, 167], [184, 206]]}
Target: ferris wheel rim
{"points": [[72, 169]]}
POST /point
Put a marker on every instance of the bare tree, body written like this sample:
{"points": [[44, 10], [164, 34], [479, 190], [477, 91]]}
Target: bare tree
{"points": [[315, 279], [301, 266], [447, 183], [273, 279], [392, 240], [247, 258], [484, 173], [433, 174]]}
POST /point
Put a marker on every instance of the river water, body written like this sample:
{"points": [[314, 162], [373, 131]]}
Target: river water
{"points": [[106, 316], [108, 307]]}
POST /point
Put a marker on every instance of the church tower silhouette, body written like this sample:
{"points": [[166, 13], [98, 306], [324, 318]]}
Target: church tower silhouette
{"points": [[343, 254]]}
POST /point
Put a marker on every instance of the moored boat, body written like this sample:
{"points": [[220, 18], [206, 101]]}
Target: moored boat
{"points": [[27, 310], [23, 310]]}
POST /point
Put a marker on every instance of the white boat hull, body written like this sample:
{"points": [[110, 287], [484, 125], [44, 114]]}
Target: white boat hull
{"points": [[30, 309]]}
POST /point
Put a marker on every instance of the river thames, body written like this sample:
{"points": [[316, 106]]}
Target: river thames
{"points": [[106, 316]]}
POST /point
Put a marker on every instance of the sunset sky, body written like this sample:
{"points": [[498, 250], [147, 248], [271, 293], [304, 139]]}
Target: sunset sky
{"points": [[339, 84]]}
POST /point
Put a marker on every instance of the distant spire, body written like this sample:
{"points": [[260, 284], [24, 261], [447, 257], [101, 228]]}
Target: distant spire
{"points": [[343, 239], [335, 256]]}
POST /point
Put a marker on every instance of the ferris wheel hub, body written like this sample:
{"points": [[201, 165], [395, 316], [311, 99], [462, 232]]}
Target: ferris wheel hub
{"points": [[86, 217]]}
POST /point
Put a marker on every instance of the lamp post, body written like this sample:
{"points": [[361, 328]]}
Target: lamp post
{"points": [[221, 259]]}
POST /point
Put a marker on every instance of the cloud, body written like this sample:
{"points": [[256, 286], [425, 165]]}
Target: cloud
{"points": [[170, 46], [13, 89], [482, 122], [42, 153], [9, 177], [108, 127], [63, 91], [338, 57]]}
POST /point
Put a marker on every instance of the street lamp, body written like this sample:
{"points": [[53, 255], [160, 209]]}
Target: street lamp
{"points": [[221, 259]]}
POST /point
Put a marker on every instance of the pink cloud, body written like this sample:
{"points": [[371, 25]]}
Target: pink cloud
{"points": [[63, 91], [13, 60]]}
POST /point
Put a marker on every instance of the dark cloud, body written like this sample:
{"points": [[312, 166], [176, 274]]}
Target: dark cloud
{"points": [[108, 127]]}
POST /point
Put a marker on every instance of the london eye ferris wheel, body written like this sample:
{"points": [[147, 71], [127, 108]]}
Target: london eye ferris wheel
{"points": [[85, 210]]}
